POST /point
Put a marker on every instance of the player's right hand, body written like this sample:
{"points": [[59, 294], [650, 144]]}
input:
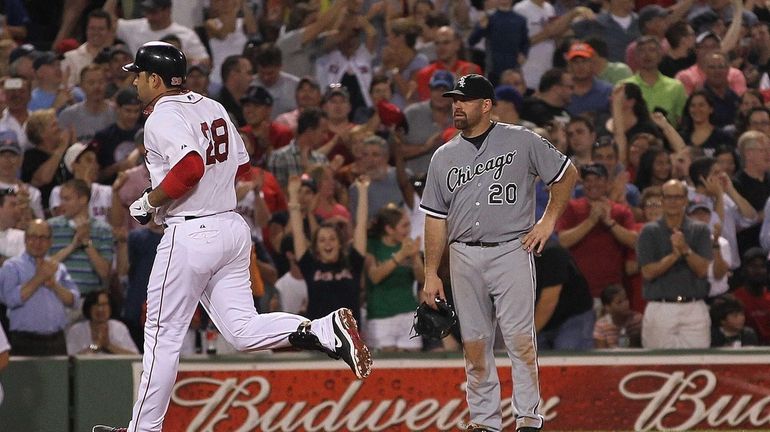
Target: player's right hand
{"points": [[140, 209], [432, 290]]}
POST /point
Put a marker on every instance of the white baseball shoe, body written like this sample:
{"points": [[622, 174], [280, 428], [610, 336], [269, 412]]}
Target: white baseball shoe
{"points": [[348, 343]]}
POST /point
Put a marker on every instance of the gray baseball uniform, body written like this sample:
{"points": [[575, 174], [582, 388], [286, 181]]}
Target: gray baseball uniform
{"points": [[486, 196]]}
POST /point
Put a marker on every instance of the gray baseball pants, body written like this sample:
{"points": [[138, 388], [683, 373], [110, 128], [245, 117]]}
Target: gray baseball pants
{"points": [[492, 285]]}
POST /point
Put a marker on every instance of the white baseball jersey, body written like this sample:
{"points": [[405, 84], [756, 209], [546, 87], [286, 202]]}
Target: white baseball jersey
{"points": [[189, 122], [98, 206]]}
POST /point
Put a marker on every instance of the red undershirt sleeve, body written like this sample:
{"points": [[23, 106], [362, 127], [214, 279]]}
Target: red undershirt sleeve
{"points": [[183, 176], [244, 172]]}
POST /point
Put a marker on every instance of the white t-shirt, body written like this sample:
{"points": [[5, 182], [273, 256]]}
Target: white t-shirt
{"points": [[75, 61], [540, 57], [98, 206], [223, 48], [11, 244], [283, 92], [734, 222], [624, 22], [137, 32], [293, 293], [333, 66], [79, 336], [718, 287], [174, 129]]}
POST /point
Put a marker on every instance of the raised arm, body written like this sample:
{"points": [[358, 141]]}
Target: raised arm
{"points": [[744, 206], [249, 20], [619, 123], [407, 190], [45, 173], [556, 28], [324, 21], [362, 214], [733, 34], [672, 136], [295, 217]]}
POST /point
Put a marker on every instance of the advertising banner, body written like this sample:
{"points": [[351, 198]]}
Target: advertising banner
{"points": [[601, 392]]}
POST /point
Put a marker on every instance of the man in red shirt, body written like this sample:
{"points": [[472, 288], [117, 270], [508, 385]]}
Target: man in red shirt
{"points": [[597, 231], [263, 135], [448, 45], [754, 293]]}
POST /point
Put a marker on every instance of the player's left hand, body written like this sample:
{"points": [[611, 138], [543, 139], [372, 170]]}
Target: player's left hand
{"points": [[534, 241], [141, 208]]}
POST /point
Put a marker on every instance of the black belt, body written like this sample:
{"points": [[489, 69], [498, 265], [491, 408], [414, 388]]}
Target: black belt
{"points": [[201, 216], [187, 218], [677, 299], [485, 244]]}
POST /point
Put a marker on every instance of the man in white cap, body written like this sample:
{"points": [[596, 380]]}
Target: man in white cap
{"points": [[80, 161]]}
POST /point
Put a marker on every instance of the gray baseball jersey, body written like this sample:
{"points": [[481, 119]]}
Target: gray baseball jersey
{"points": [[488, 194]]}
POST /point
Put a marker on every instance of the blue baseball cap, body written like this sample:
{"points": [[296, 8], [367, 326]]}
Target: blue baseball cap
{"points": [[509, 94], [9, 142], [442, 78]]}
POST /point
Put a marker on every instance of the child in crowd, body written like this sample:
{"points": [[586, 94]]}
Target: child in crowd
{"points": [[394, 263], [728, 324], [620, 327]]}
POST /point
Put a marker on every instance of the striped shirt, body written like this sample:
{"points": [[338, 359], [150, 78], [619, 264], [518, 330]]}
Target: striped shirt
{"points": [[606, 330], [78, 264]]}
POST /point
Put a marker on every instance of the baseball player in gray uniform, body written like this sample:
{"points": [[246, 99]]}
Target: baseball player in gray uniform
{"points": [[479, 198]]}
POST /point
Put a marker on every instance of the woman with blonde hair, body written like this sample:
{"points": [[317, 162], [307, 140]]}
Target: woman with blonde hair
{"points": [[42, 165]]}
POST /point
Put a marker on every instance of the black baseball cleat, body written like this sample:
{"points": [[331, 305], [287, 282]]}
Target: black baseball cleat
{"points": [[528, 429], [473, 427], [102, 428], [348, 343]]}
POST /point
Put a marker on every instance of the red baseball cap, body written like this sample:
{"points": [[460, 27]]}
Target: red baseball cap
{"points": [[580, 49], [390, 114]]}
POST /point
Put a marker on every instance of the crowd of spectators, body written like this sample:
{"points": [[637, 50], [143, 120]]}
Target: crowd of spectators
{"points": [[662, 105]]}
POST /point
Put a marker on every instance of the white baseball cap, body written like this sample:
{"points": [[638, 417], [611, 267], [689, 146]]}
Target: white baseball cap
{"points": [[73, 153]]}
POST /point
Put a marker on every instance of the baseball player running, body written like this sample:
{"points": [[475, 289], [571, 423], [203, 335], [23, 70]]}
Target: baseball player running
{"points": [[479, 197], [194, 154]]}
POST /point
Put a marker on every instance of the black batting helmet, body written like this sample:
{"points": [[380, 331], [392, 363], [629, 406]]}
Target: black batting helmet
{"points": [[162, 59]]}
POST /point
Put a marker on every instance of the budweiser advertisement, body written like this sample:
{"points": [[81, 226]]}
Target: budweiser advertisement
{"points": [[593, 392]]}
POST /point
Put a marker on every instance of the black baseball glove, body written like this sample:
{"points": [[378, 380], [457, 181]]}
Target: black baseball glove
{"points": [[434, 323]]}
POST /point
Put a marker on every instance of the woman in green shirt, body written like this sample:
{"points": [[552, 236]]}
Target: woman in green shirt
{"points": [[393, 265]]}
